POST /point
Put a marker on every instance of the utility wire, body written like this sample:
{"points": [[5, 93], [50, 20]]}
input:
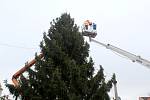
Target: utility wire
{"points": [[16, 46]]}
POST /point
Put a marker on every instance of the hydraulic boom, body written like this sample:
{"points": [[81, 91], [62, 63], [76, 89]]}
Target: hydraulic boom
{"points": [[22, 70], [129, 55]]}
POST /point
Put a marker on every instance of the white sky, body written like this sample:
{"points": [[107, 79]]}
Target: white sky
{"points": [[123, 23]]}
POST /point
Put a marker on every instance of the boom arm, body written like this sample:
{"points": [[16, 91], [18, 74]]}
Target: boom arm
{"points": [[22, 70], [129, 55]]}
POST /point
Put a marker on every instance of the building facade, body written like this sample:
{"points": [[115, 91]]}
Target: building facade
{"points": [[144, 98]]}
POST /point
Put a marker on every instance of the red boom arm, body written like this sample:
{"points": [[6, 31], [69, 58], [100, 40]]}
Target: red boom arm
{"points": [[22, 70]]}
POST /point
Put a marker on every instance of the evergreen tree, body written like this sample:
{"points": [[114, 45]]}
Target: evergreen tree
{"points": [[66, 72]]}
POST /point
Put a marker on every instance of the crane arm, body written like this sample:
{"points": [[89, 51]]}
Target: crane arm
{"points": [[129, 55], [23, 69]]}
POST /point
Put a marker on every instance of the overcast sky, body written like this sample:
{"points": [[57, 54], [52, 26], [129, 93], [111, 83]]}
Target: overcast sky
{"points": [[122, 23]]}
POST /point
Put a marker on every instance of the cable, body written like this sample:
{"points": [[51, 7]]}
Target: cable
{"points": [[16, 46]]}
